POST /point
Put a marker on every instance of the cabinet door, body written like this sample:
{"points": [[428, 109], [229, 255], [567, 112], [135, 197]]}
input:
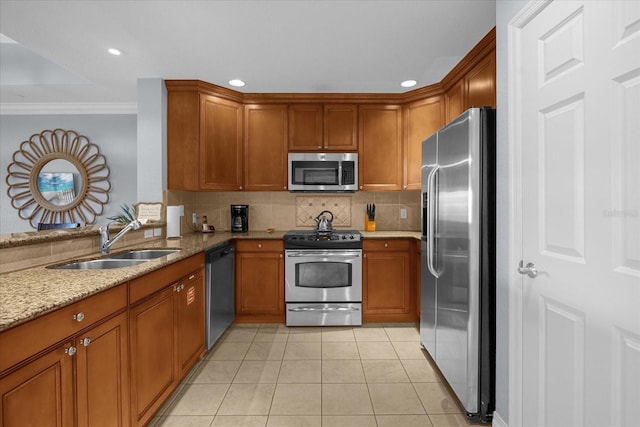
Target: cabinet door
{"points": [[481, 83], [153, 354], [265, 146], [386, 288], [102, 374], [380, 139], [220, 144], [183, 139], [305, 127], [454, 100], [260, 285], [340, 127], [40, 393], [191, 321], [422, 119]]}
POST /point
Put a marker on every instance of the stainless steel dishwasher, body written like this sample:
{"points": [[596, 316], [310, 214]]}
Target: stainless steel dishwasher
{"points": [[220, 271]]}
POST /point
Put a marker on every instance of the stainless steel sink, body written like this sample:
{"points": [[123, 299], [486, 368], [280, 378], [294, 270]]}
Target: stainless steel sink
{"points": [[143, 254], [100, 264]]}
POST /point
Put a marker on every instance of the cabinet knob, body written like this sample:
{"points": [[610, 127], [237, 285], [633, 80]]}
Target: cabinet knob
{"points": [[281, 256], [386, 245], [240, 188], [284, 187], [361, 187], [70, 351], [85, 341], [78, 317], [319, 147], [259, 245]]}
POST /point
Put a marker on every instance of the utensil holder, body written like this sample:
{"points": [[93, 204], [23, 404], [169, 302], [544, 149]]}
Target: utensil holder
{"points": [[369, 225]]}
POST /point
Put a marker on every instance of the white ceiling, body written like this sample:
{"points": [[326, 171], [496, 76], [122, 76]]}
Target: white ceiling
{"points": [[275, 46]]}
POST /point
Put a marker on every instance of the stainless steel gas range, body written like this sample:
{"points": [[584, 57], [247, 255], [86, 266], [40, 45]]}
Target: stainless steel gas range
{"points": [[323, 278]]}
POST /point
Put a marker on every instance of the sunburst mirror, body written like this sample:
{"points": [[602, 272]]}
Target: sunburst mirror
{"points": [[58, 176]]}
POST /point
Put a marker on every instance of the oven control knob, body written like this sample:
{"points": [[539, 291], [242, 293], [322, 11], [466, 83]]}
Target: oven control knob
{"points": [[352, 237]]}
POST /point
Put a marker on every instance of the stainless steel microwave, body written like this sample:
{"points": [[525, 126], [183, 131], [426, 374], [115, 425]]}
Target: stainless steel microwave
{"points": [[329, 172]]}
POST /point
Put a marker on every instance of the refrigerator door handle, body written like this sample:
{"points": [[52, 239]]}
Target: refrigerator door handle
{"points": [[431, 221]]}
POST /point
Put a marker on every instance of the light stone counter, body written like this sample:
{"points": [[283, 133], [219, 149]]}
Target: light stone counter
{"points": [[31, 292]]}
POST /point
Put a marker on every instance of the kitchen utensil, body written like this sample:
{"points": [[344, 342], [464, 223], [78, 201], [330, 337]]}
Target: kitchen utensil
{"points": [[323, 223]]}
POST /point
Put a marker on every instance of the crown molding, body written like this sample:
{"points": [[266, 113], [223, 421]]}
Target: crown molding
{"points": [[67, 108]]}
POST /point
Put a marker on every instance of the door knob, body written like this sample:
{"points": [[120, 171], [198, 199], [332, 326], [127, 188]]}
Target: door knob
{"points": [[530, 270]]}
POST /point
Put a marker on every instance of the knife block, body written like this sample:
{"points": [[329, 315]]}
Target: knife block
{"points": [[369, 225]]}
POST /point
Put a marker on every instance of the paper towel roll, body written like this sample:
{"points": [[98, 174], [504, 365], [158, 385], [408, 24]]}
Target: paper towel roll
{"points": [[173, 221]]}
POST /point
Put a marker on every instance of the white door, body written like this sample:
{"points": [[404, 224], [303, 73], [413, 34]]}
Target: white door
{"points": [[577, 116]]}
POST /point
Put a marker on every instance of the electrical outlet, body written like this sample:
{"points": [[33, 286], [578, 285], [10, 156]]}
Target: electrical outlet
{"points": [[148, 234], [157, 232], [403, 213]]}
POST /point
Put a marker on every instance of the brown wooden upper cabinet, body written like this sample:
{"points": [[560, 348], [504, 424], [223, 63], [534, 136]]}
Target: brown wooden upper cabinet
{"points": [[323, 127], [265, 147], [421, 120], [220, 144], [380, 154], [204, 141], [480, 83]]}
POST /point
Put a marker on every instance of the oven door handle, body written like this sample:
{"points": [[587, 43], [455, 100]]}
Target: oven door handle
{"points": [[324, 309], [316, 254]]}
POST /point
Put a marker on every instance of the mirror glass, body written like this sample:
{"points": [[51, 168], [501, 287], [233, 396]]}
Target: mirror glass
{"points": [[59, 182]]}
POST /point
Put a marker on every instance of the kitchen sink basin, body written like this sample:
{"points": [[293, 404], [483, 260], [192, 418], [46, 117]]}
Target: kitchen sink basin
{"points": [[144, 254], [100, 264]]}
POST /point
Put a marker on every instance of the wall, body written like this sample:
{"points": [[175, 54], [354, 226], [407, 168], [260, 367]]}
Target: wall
{"points": [[505, 11], [282, 210], [152, 139], [115, 135]]}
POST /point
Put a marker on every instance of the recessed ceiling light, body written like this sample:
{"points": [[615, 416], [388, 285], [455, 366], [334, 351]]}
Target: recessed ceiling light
{"points": [[408, 83], [236, 83], [115, 52]]}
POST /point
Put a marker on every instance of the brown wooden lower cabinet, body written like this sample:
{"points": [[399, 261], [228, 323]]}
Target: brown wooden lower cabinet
{"points": [[40, 393], [388, 290], [260, 281], [153, 354], [167, 335]]}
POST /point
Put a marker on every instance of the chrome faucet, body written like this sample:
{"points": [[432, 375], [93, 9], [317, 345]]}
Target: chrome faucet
{"points": [[105, 243]]}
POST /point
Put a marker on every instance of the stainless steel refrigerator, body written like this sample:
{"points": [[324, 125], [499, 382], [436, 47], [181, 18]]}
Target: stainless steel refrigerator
{"points": [[457, 308]]}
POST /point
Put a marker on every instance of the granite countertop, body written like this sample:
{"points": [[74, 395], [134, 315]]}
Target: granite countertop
{"points": [[29, 293]]}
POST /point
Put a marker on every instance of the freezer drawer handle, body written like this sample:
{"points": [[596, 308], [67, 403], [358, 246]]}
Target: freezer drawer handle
{"points": [[530, 270]]}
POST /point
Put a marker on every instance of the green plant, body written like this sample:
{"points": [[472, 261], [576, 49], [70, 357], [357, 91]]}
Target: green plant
{"points": [[126, 215]]}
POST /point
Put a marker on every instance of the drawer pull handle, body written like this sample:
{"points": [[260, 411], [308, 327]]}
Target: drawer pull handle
{"points": [[85, 341], [192, 276], [70, 351], [78, 317]]}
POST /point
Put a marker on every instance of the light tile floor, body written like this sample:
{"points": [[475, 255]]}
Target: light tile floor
{"points": [[270, 375]]}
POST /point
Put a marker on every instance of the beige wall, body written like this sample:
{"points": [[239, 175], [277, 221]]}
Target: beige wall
{"points": [[286, 211]]}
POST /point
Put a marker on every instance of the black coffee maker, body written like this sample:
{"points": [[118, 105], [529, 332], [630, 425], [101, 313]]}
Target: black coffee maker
{"points": [[239, 218]]}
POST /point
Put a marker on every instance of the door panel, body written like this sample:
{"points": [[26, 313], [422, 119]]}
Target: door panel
{"points": [[577, 103]]}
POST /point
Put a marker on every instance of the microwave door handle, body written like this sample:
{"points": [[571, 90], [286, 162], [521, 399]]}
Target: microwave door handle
{"points": [[339, 173]]}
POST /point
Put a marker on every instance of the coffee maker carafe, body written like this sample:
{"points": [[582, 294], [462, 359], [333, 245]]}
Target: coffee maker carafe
{"points": [[239, 218]]}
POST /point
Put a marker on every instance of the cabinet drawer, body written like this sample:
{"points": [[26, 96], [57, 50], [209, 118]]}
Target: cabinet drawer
{"points": [[259, 245], [26, 340], [146, 285], [386, 245]]}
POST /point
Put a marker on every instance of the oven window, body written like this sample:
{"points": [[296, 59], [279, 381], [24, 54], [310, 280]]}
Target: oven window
{"points": [[323, 274]]}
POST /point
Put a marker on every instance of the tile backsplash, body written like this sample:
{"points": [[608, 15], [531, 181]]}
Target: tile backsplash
{"points": [[287, 211]]}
